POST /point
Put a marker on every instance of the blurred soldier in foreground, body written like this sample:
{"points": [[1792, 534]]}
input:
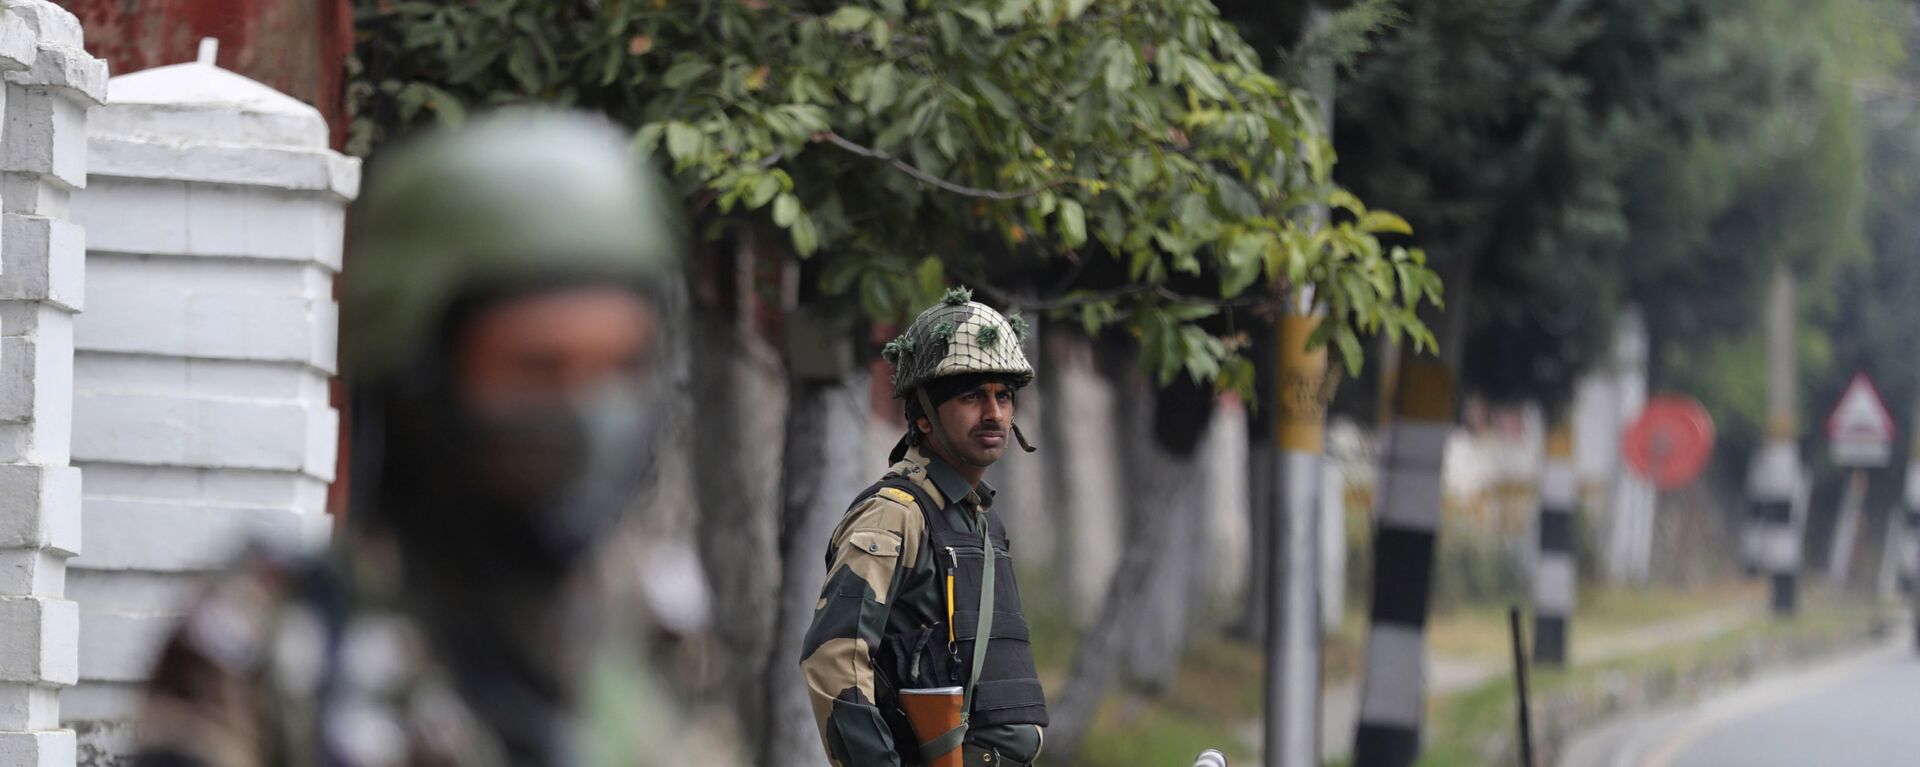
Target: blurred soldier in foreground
{"points": [[503, 337], [904, 608]]}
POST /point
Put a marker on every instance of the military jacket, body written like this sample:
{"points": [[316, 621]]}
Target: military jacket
{"points": [[302, 660], [882, 577]]}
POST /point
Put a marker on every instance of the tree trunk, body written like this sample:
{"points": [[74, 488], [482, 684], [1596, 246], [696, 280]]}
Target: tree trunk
{"points": [[1057, 444], [1252, 625], [822, 472], [738, 412], [1143, 622]]}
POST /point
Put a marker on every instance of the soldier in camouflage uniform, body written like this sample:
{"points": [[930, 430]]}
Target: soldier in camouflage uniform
{"points": [[904, 601], [502, 335]]}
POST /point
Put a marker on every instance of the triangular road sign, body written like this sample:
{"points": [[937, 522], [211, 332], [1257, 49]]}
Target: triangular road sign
{"points": [[1860, 430]]}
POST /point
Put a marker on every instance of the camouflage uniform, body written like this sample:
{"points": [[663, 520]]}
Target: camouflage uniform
{"points": [[294, 660], [884, 576], [477, 608]]}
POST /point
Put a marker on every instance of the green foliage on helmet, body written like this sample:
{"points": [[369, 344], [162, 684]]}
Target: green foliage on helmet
{"points": [[1019, 325], [897, 347], [957, 336], [515, 197]]}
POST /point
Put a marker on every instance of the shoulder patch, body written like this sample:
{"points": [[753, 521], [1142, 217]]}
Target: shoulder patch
{"points": [[897, 495]]}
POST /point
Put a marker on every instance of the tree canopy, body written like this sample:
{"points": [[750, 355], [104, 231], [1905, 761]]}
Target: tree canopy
{"points": [[916, 144]]}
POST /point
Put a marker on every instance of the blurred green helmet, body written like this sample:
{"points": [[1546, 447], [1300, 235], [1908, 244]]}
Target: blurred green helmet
{"points": [[958, 336], [515, 197]]}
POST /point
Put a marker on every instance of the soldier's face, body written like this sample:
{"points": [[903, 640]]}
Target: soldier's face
{"points": [[548, 348], [978, 422]]}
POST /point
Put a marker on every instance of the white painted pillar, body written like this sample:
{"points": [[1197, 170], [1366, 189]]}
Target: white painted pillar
{"points": [[50, 83], [215, 214], [1631, 499]]}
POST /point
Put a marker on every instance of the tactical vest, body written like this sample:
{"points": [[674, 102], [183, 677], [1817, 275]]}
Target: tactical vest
{"points": [[1009, 690]]}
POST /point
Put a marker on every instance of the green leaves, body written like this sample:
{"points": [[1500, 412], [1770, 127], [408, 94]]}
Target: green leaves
{"points": [[850, 18], [684, 142], [786, 210], [892, 140], [1073, 223], [685, 72]]}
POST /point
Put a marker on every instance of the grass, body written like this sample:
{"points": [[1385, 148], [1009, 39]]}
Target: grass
{"points": [[1461, 726], [1217, 694], [1133, 731]]}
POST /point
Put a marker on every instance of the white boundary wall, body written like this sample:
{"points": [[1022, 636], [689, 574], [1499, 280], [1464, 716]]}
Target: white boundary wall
{"points": [[201, 412]]}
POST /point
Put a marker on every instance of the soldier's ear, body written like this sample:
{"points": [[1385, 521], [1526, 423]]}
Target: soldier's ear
{"points": [[925, 426]]}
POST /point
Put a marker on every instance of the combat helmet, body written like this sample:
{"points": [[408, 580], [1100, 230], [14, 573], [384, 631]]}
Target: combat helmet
{"points": [[525, 194], [958, 336]]}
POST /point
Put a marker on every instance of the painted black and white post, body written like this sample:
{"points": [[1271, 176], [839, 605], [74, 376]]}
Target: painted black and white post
{"points": [[1407, 521], [1909, 532], [1292, 703], [1553, 565], [1774, 478]]}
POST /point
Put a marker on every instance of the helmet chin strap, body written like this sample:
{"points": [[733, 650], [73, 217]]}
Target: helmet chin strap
{"points": [[940, 431], [1024, 444]]}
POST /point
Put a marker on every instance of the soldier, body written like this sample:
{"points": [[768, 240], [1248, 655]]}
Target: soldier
{"points": [[904, 602], [503, 336]]}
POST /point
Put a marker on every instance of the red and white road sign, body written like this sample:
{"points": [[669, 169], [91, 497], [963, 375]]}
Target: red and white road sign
{"points": [[1860, 431], [1670, 442]]}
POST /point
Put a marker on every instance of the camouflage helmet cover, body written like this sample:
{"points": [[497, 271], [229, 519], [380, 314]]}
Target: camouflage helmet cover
{"points": [[519, 195], [958, 336]]}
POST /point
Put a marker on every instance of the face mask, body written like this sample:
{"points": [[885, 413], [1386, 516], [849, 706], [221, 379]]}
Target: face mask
{"points": [[535, 489], [563, 475]]}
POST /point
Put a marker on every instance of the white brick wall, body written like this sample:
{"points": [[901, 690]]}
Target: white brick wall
{"points": [[214, 216], [50, 84]]}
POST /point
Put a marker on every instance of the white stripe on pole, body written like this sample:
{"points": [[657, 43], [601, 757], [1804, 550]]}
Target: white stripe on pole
{"points": [[1394, 690], [1913, 481], [1413, 496], [1553, 585], [1418, 444], [1559, 487], [1293, 689]]}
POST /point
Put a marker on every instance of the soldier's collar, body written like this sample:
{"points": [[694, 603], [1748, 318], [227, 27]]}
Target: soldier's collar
{"points": [[951, 485]]}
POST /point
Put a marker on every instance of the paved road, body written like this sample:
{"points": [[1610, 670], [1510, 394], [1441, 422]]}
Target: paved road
{"points": [[1869, 717], [1862, 709]]}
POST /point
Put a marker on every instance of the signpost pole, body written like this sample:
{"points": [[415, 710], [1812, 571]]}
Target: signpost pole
{"points": [[1860, 436], [1847, 529]]}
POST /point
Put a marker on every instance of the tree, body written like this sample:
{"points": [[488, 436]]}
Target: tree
{"points": [[1143, 132], [1135, 146], [1512, 134]]}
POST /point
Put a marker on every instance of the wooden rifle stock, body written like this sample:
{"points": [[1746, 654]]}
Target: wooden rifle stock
{"points": [[933, 713]]}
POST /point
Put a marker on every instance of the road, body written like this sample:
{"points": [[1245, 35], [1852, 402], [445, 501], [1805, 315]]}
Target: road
{"points": [[1861, 709]]}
